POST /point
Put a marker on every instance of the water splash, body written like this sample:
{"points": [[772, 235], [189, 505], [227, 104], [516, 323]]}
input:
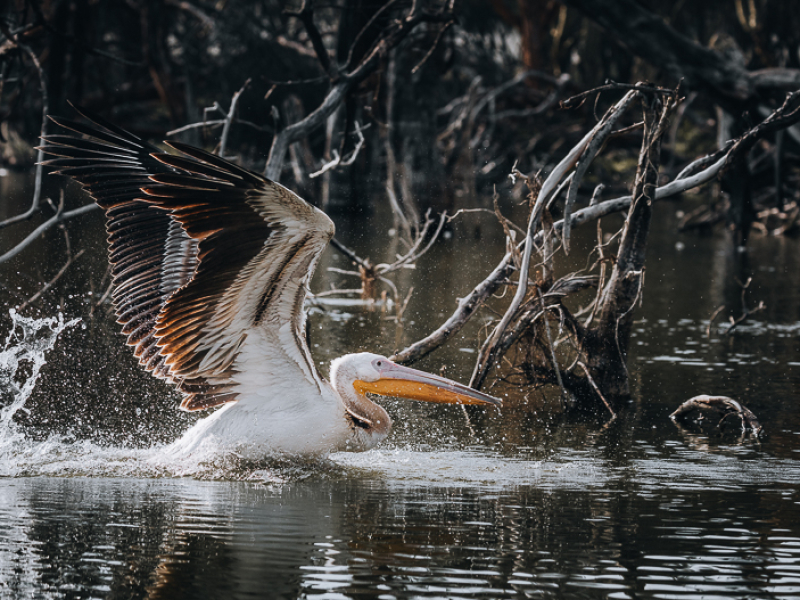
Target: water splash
{"points": [[21, 359]]}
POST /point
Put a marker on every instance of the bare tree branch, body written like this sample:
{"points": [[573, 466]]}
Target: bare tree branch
{"points": [[467, 307], [59, 217], [370, 273], [746, 312], [306, 15], [548, 187], [226, 129], [337, 160], [785, 116], [697, 173], [52, 282], [607, 346], [601, 133], [346, 81], [216, 123]]}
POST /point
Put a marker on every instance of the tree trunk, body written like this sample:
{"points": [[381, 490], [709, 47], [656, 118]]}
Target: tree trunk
{"points": [[606, 344]]}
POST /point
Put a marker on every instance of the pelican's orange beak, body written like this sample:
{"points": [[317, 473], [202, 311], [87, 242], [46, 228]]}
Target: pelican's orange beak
{"points": [[404, 382]]}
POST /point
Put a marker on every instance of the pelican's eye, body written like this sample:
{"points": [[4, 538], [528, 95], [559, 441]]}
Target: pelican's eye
{"points": [[379, 364]]}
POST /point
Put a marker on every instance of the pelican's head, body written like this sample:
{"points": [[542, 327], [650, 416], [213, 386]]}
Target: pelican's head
{"points": [[354, 376]]}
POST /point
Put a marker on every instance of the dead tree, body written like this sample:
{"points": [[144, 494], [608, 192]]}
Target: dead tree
{"points": [[345, 78], [605, 345], [584, 350]]}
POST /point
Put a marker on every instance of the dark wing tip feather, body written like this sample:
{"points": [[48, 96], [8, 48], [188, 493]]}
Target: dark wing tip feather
{"points": [[107, 125], [113, 165], [224, 165]]}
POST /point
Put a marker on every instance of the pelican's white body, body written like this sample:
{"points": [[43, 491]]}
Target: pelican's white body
{"points": [[283, 409], [249, 430]]}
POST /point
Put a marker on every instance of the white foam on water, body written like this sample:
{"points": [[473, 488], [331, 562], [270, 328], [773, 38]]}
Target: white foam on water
{"points": [[479, 467], [22, 356]]}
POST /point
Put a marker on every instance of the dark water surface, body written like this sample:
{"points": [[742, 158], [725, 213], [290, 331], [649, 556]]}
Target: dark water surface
{"points": [[521, 503]]}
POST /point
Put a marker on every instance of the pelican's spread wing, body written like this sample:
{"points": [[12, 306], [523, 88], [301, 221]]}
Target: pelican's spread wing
{"points": [[203, 252]]}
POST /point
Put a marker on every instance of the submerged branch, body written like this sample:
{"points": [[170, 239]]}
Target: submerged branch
{"points": [[719, 405]]}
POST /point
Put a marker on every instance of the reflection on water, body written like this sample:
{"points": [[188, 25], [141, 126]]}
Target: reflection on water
{"points": [[358, 536], [520, 503]]}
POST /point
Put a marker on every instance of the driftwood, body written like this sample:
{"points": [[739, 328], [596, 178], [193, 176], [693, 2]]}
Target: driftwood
{"points": [[720, 406], [60, 216]]}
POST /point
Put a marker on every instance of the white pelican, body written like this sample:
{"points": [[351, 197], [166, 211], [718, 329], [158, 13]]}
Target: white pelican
{"points": [[211, 266]]}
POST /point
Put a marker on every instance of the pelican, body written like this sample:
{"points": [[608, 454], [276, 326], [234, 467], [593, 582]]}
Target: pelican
{"points": [[211, 265]]}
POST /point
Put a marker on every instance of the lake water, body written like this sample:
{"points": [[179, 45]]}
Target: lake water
{"points": [[524, 502]]}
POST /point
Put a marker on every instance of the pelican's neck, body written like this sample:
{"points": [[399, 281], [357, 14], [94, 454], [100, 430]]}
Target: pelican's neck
{"points": [[361, 410]]}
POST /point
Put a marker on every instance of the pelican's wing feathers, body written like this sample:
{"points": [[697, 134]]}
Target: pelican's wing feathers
{"points": [[203, 252], [150, 254]]}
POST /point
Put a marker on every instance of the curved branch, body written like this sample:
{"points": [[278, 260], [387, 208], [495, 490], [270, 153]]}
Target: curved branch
{"points": [[467, 307], [306, 15], [226, 129]]}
